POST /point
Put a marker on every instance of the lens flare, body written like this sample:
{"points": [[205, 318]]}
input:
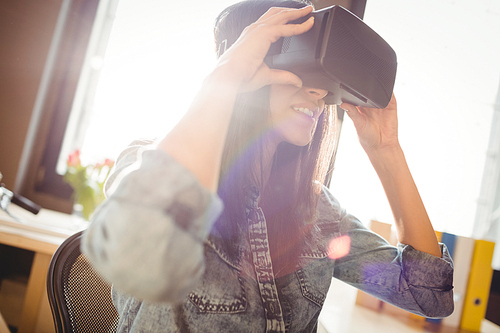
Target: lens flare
{"points": [[339, 247]]}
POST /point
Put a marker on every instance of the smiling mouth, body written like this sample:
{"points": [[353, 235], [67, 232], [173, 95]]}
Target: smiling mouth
{"points": [[305, 111]]}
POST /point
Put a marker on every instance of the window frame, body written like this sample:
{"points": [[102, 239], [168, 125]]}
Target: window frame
{"points": [[42, 184]]}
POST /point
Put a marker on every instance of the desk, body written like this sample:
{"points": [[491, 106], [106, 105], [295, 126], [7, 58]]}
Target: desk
{"points": [[42, 234]]}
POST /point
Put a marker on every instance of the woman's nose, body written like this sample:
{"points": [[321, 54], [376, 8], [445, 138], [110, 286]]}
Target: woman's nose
{"points": [[316, 93]]}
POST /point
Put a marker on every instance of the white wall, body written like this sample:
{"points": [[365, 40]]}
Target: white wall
{"points": [[447, 81]]}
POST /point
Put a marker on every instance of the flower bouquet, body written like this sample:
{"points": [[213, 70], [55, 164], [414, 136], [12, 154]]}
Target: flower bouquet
{"points": [[87, 183]]}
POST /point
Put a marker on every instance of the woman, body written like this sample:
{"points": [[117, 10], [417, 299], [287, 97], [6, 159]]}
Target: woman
{"points": [[224, 224]]}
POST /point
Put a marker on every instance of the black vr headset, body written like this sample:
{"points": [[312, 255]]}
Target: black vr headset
{"points": [[340, 54]]}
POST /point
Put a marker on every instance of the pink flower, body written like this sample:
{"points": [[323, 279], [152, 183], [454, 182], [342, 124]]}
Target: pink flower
{"points": [[74, 158], [109, 162], [87, 181]]}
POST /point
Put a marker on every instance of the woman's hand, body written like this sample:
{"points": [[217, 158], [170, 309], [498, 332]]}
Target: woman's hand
{"points": [[378, 133], [243, 61], [376, 128]]}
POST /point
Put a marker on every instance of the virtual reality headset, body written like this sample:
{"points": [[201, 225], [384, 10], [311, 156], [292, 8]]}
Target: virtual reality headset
{"points": [[340, 54]]}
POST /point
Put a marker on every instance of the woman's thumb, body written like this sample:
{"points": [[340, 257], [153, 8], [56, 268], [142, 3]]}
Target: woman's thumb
{"points": [[284, 77]]}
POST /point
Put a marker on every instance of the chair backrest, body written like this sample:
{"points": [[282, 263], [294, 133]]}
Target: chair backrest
{"points": [[79, 297]]}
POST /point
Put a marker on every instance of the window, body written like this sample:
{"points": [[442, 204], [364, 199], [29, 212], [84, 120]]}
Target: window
{"points": [[155, 60], [447, 91], [36, 177]]}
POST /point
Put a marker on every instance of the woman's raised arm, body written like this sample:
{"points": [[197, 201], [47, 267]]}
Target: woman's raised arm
{"points": [[378, 133], [197, 141]]}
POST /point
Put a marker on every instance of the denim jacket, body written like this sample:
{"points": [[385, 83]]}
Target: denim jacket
{"points": [[171, 272]]}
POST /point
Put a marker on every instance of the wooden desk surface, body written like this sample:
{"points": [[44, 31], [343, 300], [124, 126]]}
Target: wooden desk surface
{"points": [[42, 234]]}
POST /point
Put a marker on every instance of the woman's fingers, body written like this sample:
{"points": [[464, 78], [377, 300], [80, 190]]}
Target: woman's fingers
{"points": [[357, 118], [266, 76], [375, 127], [351, 109], [288, 30], [278, 76], [244, 59], [276, 19], [280, 15]]}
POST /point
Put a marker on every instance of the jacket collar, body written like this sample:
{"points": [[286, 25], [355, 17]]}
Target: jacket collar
{"points": [[319, 244]]}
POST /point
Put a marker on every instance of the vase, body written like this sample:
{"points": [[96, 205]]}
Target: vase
{"points": [[78, 210], [78, 222]]}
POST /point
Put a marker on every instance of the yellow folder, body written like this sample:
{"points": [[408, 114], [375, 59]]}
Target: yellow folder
{"points": [[478, 288]]}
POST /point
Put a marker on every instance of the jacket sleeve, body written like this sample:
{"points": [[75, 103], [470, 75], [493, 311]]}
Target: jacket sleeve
{"points": [[410, 279], [147, 237]]}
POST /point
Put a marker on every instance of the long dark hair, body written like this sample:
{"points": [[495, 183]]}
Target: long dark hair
{"points": [[290, 197]]}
